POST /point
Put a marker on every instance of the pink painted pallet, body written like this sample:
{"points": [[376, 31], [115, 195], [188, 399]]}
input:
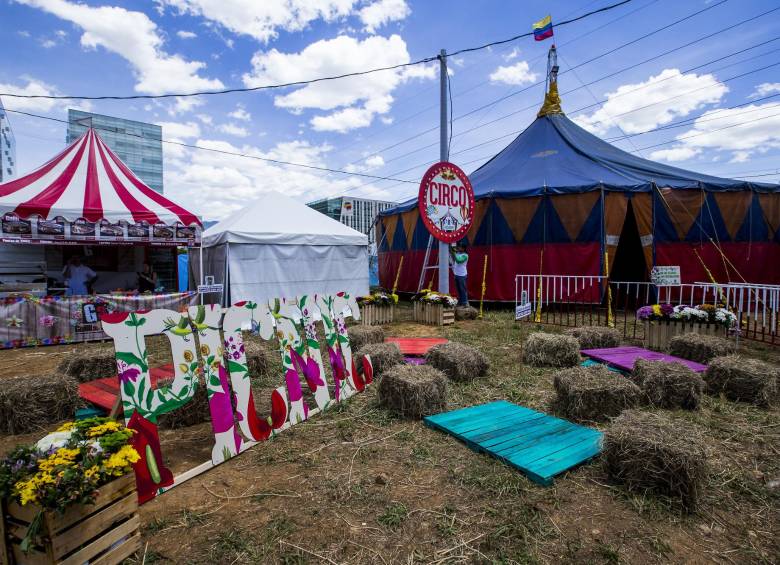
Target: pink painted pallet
{"points": [[623, 358], [415, 346]]}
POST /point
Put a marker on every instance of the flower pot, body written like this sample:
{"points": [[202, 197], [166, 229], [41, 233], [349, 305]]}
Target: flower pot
{"points": [[433, 314], [659, 333], [376, 314], [107, 531]]}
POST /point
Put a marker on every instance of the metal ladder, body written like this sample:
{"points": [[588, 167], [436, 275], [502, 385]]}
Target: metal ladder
{"points": [[426, 267]]}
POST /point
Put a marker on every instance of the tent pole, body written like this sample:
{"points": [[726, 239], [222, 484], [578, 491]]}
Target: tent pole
{"points": [[444, 251], [200, 259]]}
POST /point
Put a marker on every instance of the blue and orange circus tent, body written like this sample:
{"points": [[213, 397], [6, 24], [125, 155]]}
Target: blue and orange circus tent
{"points": [[558, 200]]}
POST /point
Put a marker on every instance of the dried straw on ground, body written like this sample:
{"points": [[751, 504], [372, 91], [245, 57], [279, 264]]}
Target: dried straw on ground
{"points": [[466, 313], [595, 337], [700, 348], [413, 391], [458, 361], [668, 385], [363, 335], [551, 350], [594, 393], [647, 451], [35, 403], [196, 411], [383, 357], [89, 365], [743, 379]]}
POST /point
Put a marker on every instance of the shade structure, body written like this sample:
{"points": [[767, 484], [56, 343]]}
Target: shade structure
{"points": [[559, 200], [279, 247]]}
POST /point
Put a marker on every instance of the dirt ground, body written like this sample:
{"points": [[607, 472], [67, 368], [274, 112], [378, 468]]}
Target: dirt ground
{"points": [[358, 485]]}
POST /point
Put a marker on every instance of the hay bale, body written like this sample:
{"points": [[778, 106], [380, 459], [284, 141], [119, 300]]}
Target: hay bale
{"points": [[551, 350], [595, 337], [196, 411], [89, 365], [466, 313], [383, 357], [668, 385], [413, 391], [258, 359], [647, 451], [363, 335], [35, 403], [743, 379], [700, 348], [458, 361], [594, 393]]}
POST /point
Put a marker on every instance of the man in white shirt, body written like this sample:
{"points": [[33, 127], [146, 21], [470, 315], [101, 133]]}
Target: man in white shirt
{"points": [[78, 277], [460, 260]]}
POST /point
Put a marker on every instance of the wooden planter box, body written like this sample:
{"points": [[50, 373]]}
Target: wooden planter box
{"points": [[434, 314], [375, 314], [106, 532], [659, 333]]}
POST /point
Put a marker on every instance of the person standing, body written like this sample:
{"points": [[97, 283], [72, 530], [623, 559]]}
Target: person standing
{"points": [[460, 260], [78, 277], [147, 279]]}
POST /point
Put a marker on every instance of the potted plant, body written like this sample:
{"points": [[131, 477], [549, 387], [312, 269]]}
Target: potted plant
{"points": [[434, 308], [377, 308], [664, 321], [71, 497]]}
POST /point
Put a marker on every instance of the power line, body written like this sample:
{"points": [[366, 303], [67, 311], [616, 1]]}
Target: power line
{"points": [[316, 80]]}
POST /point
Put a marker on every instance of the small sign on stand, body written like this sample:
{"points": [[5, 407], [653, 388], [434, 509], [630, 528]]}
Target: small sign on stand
{"points": [[666, 275], [524, 308]]}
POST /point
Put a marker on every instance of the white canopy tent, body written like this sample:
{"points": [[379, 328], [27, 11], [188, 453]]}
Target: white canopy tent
{"points": [[278, 247]]}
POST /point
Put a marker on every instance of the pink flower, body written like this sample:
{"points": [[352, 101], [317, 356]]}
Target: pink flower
{"points": [[309, 368], [126, 372], [339, 370]]}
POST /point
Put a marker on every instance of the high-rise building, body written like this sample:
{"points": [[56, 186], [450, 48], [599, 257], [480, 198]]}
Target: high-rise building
{"points": [[357, 213], [7, 147], [138, 144]]}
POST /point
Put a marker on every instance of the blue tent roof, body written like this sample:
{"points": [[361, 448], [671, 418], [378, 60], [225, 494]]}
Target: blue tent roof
{"points": [[556, 156]]}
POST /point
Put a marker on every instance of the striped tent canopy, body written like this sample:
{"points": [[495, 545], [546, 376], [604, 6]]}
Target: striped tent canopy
{"points": [[87, 180]]}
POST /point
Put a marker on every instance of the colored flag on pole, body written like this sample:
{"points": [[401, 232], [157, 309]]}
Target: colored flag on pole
{"points": [[543, 29]]}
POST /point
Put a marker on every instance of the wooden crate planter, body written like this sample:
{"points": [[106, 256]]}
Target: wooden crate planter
{"points": [[659, 333], [376, 314], [434, 314], [105, 533]]}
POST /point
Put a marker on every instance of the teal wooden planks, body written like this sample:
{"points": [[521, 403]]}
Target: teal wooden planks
{"points": [[539, 445]]}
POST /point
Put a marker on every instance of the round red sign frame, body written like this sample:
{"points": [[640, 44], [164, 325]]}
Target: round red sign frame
{"points": [[436, 231]]}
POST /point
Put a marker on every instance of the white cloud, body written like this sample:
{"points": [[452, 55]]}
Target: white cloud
{"points": [[657, 101], [179, 131], [355, 101], [48, 43], [205, 118], [382, 12], [136, 38], [513, 54], [185, 104], [516, 74], [184, 34], [262, 19], [240, 113], [234, 130], [374, 162], [37, 88], [742, 131], [765, 89], [23, 33]]}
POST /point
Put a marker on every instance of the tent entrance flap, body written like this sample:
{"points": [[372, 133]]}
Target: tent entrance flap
{"points": [[629, 263]]}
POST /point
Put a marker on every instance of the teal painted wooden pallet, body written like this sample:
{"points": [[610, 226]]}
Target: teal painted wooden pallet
{"points": [[540, 446]]}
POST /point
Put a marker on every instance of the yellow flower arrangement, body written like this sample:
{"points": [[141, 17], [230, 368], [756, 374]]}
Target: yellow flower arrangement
{"points": [[119, 462], [62, 456], [657, 309], [102, 429], [67, 427]]}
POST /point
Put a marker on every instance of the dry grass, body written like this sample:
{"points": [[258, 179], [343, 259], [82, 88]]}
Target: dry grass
{"points": [[668, 385], [413, 391], [594, 393], [194, 412], [29, 404], [648, 451], [595, 337], [458, 361], [551, 350], [363, 335], [383, 357], [743, 379], [88, 366], [700, 348]]}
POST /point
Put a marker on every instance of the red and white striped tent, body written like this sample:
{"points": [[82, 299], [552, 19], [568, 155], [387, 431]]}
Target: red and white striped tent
{"points": [[88, 182]]}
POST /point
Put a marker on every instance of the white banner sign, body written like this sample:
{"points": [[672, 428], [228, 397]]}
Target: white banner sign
{"points": [[522, 311], [666, 275]]}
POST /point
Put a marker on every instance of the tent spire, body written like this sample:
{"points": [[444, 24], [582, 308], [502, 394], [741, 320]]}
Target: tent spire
{"points": [[552, 101]]}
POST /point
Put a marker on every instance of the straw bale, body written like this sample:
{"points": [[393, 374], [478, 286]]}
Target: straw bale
{"points": [[649, 452], [699, 347], [668, 385], [258, 359], [595, 337], [743, 379], [458, 361], [551, 350], [363, 335], [196, 411], [35, 403], [413, 391], [89, 365], [594, 393], [383, 357]]}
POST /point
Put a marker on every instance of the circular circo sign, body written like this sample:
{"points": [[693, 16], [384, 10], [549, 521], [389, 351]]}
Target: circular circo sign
{"points": [[446, 202]]}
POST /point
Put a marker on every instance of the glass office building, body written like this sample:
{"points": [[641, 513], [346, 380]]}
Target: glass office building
{"points": [[357, 213], [7, 148], [138, 144]]}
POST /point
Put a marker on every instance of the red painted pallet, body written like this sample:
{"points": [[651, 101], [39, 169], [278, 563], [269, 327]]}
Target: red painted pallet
{"points": [[103, 392], [415, 346]]}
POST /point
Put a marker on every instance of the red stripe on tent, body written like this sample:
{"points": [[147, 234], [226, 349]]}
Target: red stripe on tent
{"points": [[187, 218], [93, 207], [20, 183], [42, 202], [139, 212]]}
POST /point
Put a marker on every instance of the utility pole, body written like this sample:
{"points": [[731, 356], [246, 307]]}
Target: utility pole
{"points": [[444, 150]]}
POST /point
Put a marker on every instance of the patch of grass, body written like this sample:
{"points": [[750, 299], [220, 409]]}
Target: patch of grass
{"points": [[394, 515], [156, 525], [421, 453], [492, 477], [607, 552], [278, 528], [234, 545]]}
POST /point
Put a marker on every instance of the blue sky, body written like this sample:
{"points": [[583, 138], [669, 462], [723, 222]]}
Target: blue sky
{"points": [[375, 124]]}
